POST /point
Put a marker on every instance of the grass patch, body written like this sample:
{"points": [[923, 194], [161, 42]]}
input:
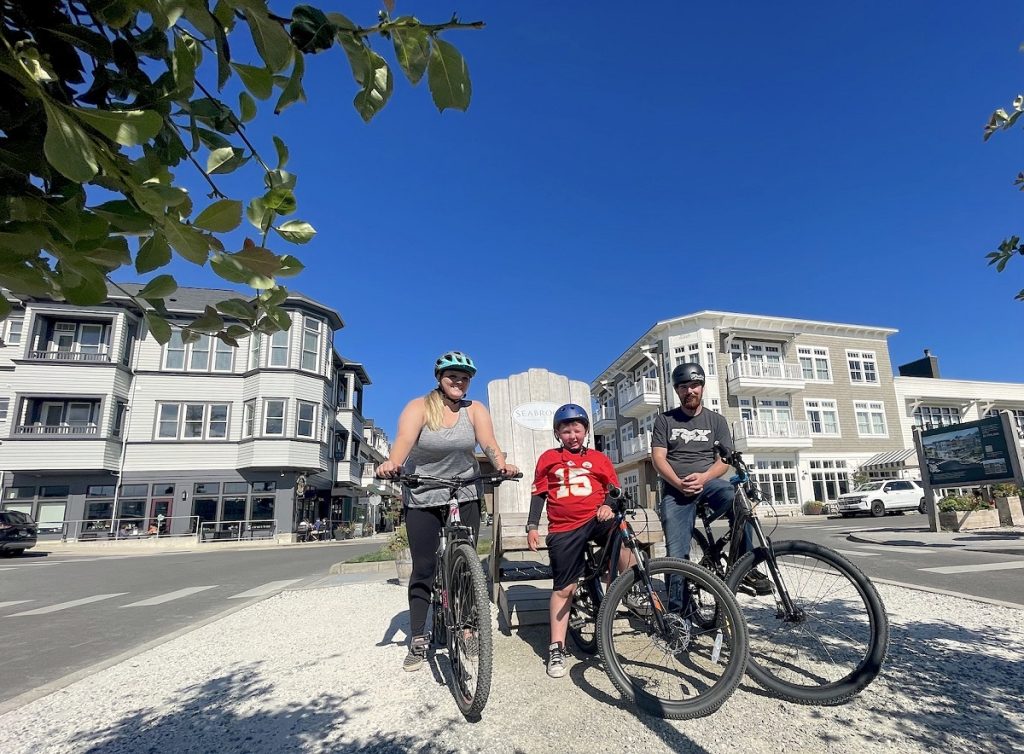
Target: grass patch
{"points": [[483, 547]]}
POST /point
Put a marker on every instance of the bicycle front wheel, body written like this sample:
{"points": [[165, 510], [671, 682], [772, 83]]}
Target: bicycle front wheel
{"points": [[469, 634], [662, 658], [583, 615], [831, 645]]}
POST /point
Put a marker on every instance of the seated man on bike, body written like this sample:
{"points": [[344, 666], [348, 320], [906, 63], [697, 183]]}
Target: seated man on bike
{"points": [[574, 481], [683, 453], [437, 435]]}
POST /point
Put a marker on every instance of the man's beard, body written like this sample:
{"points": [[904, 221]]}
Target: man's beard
{"points": [[691, 401]]}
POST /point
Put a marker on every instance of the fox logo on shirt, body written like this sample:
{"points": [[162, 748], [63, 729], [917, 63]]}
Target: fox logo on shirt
{"points": [[686, 435]]}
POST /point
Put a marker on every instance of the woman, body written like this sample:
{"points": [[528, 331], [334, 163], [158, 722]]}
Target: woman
{"points": [[437, 435]]}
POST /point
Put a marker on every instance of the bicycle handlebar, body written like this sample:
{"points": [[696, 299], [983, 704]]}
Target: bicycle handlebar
{"points": [[454, 483]]}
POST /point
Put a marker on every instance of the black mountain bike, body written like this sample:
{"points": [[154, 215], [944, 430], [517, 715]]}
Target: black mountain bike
{"points": [[821, 635], [459, 601], [659, 658]]}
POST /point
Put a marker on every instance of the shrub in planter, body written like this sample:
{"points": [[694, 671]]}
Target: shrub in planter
{"points": [[814, 507], [963, 512], [963, 503], [1007, 496], [398, 545]]}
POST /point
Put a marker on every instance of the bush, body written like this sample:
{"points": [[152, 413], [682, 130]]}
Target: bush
{"points": [[963, 503], [814, 507], [399, 541], [1006, 489]]}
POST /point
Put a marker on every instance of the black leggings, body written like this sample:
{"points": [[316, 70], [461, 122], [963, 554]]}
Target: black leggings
{"points": [[424, 527]]}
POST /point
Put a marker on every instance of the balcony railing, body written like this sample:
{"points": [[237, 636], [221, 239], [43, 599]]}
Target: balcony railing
{"points": [[765, 370], [69, 356], [57, 429], [604, 413], [770, 430], [636, 446]]}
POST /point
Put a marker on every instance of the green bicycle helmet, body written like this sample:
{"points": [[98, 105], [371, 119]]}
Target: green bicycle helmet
{"points": [[454, 360]]}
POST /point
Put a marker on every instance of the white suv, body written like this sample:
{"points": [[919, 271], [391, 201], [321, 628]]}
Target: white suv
{"points": [[885, 496]]}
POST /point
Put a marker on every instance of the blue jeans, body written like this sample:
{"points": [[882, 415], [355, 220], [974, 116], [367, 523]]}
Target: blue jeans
{"points": [[678, 515]]}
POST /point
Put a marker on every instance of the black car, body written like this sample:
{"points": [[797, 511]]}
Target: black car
{"points": [[17, 532]]}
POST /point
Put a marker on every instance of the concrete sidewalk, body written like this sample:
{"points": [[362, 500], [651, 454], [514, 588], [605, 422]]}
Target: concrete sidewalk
{"points": [[318, 670], [1006, 539]]}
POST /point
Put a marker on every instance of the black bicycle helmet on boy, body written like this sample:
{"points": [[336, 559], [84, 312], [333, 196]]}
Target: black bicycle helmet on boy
{"points": [[690, 371], [454, 360], [570, 412]]}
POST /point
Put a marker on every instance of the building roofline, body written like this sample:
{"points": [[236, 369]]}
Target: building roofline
{"points": [[764, 322]]}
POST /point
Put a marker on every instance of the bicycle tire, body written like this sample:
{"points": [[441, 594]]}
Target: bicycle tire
{"points": [[470, 613], [843, 625], [439, 634], [583, 616], [689, 656]]}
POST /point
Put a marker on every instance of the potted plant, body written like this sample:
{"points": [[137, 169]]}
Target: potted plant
{"points": [[1007, 497], [963, 512], [814, 507], [398, 546]]}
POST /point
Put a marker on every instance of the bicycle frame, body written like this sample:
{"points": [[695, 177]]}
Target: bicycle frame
{"points": [[746, 490]]}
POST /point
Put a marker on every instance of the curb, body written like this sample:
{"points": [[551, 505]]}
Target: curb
{"points": [[382, 566]]}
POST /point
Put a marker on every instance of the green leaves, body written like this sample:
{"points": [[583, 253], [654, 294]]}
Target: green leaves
{"points": [[153, 254], [127, 127], [259, 81], [158, 327], [448, 77], [412, 48], [67, 147], [220, 217], [187, 241], [225, 160], [271, 40], [161, 286], [296, 231], [310, 30], [293, 89]]}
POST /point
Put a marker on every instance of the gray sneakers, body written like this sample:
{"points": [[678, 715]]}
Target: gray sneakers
{"points": [[637, 601], [556, 660], [417, 652]]}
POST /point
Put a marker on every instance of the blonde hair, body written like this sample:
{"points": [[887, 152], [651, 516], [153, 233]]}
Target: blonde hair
{"points": [[433, 408]]}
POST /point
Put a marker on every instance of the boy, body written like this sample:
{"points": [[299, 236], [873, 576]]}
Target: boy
{"points": [[574, 482]]}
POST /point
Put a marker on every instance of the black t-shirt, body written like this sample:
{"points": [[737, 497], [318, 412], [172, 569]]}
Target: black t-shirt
{"points": [[690, 440]]}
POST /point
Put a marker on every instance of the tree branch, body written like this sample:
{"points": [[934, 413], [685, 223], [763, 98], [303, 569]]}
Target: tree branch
{"points": [[216, 191]]}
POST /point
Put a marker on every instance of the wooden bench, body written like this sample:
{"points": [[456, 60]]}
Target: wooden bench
{"points": [[521, 579]]}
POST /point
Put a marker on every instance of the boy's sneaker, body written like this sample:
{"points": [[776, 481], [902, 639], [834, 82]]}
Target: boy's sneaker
{"points": [[556, 660], [417, 653], [758, 583], [637, 601]]}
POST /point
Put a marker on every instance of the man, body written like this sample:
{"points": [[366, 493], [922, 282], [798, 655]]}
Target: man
{"points": [[683, 453]]}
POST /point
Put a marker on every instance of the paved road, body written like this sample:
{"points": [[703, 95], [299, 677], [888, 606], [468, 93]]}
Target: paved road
{"points": [[997, 575], [62, 613]]}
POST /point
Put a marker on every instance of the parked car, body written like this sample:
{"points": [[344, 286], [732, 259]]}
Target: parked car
{"points": [[18, 532], [882, 497]]}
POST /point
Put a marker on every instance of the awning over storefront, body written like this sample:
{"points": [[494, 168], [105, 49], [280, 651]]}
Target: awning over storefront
{"points": [[891, 460]]}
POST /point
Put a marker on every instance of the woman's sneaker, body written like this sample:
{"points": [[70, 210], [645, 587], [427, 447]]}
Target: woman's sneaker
{"points": [[417, 652], [556, 660]]}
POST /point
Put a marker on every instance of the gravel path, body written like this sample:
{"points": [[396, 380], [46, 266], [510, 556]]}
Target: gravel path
{"points": [[318, 670]]}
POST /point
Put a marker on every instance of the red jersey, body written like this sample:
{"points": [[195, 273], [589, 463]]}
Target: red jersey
{"points": [[575, 485]]}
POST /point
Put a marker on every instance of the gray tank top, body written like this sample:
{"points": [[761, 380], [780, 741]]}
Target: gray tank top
{"points": [[445, 452]]}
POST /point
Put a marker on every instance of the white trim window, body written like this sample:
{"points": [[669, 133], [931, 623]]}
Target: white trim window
{"points": [[815, 365], [863, 367], [311, 329], [626, 433], [5, 405], [305, 419], [931, 417], [199, 358], [273, 417], [279, 349], [174, 352], [255, 346], [14, 329], [823, 417], [709, 359], [192, 421], [870, 418], [223, 356], [631, 484], [249, 418]]}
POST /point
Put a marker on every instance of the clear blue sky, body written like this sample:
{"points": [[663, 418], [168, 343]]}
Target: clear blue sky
{"points": [[622, 164]]}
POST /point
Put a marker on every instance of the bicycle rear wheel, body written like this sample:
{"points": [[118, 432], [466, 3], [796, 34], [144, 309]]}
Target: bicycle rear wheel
{"points": [[833, 645], [583, 615], [679, 671], [469, 635]]}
